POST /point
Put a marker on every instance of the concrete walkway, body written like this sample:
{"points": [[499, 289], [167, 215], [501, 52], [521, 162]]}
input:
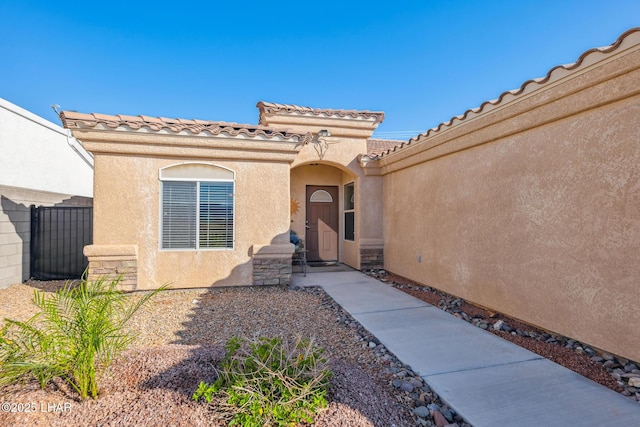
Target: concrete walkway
{"points": [[487, 380]]}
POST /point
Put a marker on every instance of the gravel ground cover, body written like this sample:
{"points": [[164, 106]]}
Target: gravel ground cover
{"points": [[614, 372], [180, 339]]}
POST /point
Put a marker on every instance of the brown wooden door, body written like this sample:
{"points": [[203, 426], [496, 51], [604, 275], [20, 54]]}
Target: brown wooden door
{"points": [[322, 223]]}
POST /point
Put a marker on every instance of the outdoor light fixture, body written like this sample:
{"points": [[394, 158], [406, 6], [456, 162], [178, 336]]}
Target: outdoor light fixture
{"points": [[320, 142]]}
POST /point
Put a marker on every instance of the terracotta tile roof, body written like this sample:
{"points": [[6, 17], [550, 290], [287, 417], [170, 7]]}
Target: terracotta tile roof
{"points": [[273, 108], [376, 147], [554, 74], [74, 120]]}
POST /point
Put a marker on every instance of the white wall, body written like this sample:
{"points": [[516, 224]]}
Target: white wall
{"points": [[39, 165], [38, 155]]}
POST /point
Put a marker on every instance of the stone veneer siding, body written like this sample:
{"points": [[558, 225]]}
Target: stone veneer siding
{"points": [[271, 271], [111, 263], [371, 258]]}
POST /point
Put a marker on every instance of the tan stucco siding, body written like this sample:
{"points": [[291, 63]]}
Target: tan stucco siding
{"points": [[341, 152], [127, 215], [370, 207], [542, 224]]}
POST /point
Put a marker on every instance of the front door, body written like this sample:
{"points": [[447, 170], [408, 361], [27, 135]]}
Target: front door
{"points": [[322, 223]]}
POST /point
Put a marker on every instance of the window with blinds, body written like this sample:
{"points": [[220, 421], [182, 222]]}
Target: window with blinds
{"points": [[179, 201], [196, 214], [216, 215]]}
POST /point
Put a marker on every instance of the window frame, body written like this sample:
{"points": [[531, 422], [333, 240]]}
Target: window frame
{"points": [[197, 181], [346, 211]]}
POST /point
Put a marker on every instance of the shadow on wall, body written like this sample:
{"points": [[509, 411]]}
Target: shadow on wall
{"points": [[19, 216], [18, 241]]}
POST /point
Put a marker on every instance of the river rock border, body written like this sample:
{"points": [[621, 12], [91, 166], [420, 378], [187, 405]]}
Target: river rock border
{"points": [[625, 372], [428, 408]]}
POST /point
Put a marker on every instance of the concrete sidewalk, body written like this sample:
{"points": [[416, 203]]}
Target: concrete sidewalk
{"points": [[487, 380]]}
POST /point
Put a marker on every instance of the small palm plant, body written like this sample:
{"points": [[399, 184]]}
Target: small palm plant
{"points": [[77, 333]]}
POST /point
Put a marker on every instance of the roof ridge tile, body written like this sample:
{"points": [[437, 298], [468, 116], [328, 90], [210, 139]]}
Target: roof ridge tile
{"points": [[75, 120], [273, 108], [519, 91]]}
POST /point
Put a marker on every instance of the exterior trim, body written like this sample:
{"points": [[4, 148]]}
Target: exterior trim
{"points": [[74, 120], [273, 108], [629, 40]]}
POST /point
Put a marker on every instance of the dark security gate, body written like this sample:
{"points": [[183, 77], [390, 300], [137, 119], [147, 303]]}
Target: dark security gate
{"points": [[58, 235]]}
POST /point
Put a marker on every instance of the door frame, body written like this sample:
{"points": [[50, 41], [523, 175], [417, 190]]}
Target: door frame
{"points": [[334, 191]]}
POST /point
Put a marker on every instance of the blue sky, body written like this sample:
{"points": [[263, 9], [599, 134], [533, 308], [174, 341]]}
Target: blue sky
{"points": [[421, 62]]}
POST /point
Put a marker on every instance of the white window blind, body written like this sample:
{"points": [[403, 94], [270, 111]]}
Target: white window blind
{"points": [[179, 215], [197, 215], [216, 214]]}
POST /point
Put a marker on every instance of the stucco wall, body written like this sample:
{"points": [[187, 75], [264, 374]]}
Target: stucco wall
{"points": [[126, 215], [15, 228], [532, 210], [39, 155]]}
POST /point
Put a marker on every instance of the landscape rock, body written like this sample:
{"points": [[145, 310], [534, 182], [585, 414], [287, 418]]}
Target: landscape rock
{"points": [[151, 384], [439, 419], [423, 399], [448, 414], [634, 382], [416, 381], [421, 411], [406, 386]]}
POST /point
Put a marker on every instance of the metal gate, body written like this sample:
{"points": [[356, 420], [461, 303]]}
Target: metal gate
{"points": [[58, 235]]}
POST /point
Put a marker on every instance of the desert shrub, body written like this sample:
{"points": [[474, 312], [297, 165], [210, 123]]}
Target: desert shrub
{"points": [[76, 334], [270, 381]]}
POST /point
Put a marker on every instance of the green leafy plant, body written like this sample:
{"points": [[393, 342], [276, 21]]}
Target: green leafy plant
{"points": [[77, 333], [270, 381]]}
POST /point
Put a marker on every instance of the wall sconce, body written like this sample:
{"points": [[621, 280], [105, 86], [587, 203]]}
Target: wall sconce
{"points": [[320, 142]]}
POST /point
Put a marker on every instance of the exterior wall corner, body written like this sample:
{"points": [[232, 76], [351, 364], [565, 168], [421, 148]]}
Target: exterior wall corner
{"points": [[272, 264], [112, 262], [371, 254]]}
